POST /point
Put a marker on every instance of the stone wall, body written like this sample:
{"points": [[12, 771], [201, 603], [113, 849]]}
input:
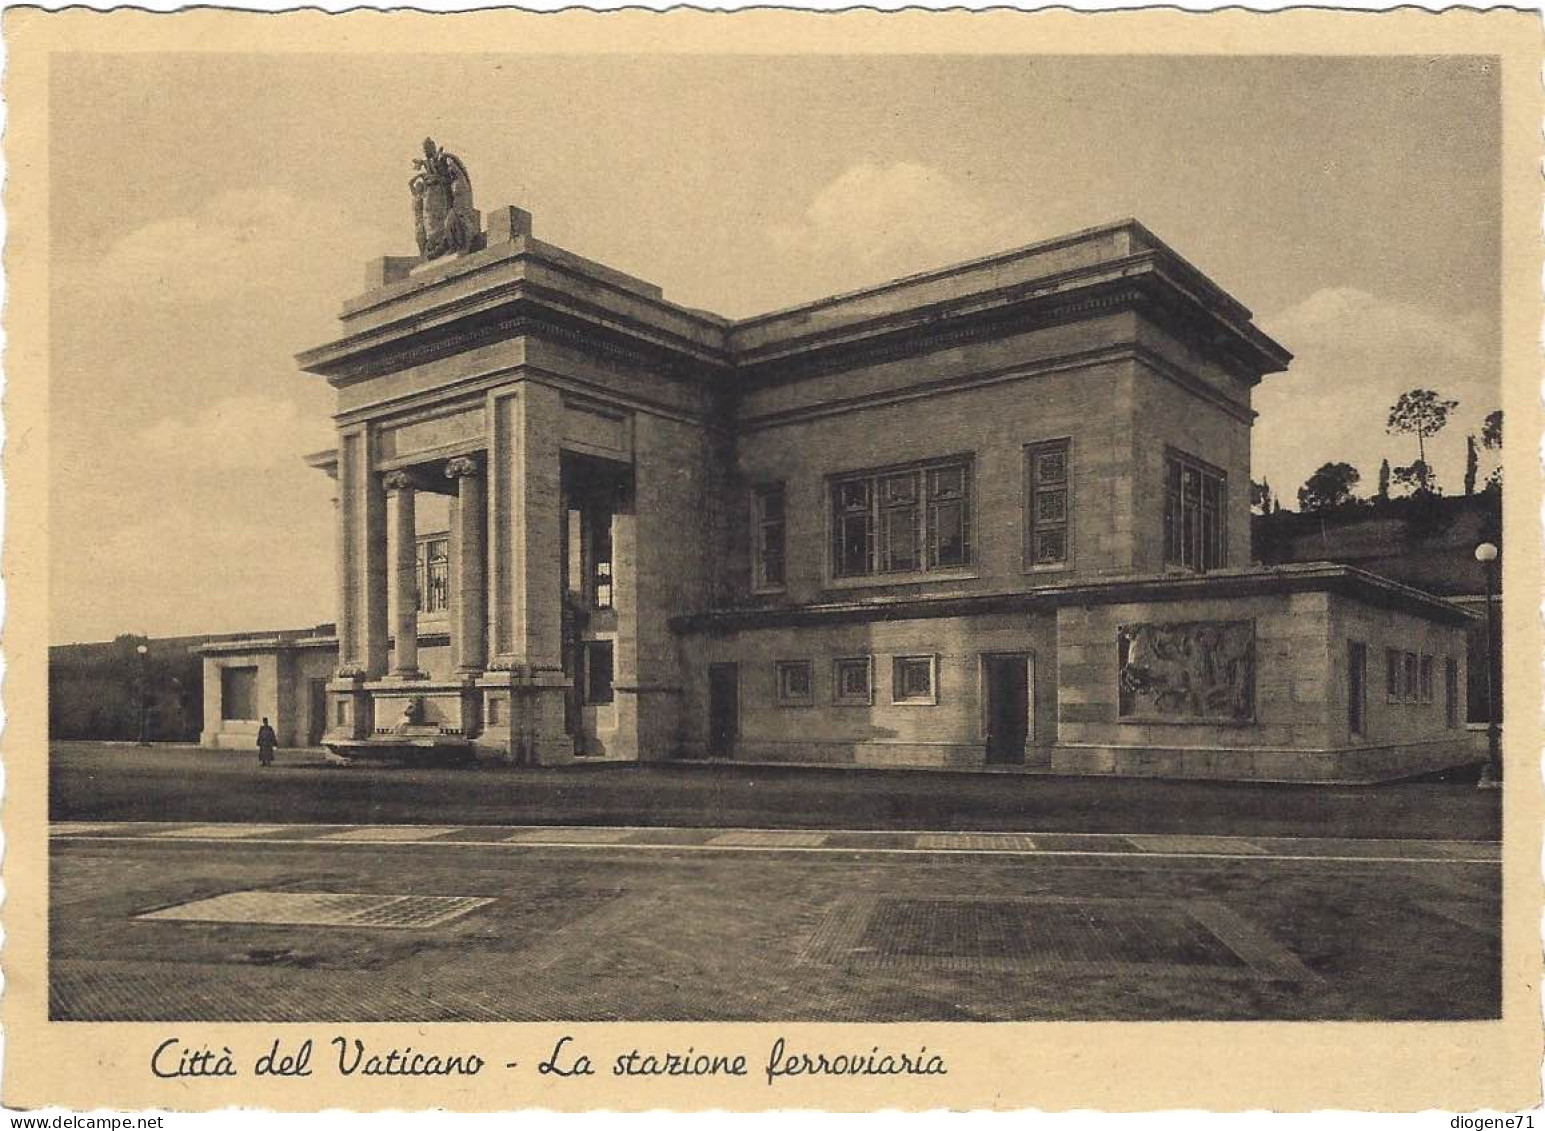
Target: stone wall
{"points": [[993, 423], [1300, 727], [949, 732], [1173, 417]]}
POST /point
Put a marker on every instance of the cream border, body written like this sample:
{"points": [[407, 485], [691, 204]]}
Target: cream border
{"points": [[1293, 1066]]}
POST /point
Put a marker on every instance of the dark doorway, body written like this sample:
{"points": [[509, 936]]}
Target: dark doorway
{"points": [[723, 709], [1006, 707], [1357, 687], [316, 719]]}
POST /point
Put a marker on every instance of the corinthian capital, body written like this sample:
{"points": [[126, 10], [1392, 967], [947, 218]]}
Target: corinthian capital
{"points": [[462, 467], [397, 480]]}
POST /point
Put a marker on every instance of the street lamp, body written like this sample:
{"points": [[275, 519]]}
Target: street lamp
{"points": [[144, 694], [1491, 775]]}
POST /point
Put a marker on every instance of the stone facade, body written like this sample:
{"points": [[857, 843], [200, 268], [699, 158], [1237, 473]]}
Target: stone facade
{"points": [[897, 527]]}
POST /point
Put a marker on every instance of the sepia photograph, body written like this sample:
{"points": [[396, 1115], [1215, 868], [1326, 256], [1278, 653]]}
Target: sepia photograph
{"points": [[845, 536]]}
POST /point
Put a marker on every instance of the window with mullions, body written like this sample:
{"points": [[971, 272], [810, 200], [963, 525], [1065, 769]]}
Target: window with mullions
{"points": [[1048, 482], [432, 570], [902, 520], [1195, 514], [767, 503]]}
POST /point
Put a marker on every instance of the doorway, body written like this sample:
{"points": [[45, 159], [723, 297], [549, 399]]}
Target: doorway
{"points": [[316, 719], [1007, 718], [723, 709]]}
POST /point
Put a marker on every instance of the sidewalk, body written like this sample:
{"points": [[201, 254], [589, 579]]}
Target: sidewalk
{"points": [[93, 781]]}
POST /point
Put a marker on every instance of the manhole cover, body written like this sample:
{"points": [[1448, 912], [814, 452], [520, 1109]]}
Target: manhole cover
{"points": [[374, 833], [316, 909], [1196, 845], [223, 832], [768, 838], [1066, 932], [570, 836], [977, 842]]}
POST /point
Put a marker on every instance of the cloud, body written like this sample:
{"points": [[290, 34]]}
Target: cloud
{"points": [[239, 244], [237, 433], [1355, 353], [876, 222]]}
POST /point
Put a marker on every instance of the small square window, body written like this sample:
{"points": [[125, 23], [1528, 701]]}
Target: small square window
{"points": [[851, 682], [794, 683], [912, 680]]}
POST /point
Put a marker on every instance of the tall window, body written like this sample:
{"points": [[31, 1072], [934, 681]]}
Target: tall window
{"points": [[1048, 481], [902, 520], [1392, 674], [432, 569], [1451, 692], [1357, 686], [767, 503], [600, 558], [1195, 513]]}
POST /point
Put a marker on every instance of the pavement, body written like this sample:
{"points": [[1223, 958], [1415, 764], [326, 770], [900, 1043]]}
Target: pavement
{"points": [[285, 921], [94, 781], [190, 884]]}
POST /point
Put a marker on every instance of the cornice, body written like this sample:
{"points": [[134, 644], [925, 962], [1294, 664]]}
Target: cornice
{"points": [[1324, 577]]}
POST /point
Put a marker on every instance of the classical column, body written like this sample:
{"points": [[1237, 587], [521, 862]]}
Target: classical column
{"points": [[346, 512], [467, 523], [404, 561]]}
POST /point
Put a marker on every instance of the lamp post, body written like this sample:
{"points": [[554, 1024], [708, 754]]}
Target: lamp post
{"points": [[144, 694], [1491, 775]]}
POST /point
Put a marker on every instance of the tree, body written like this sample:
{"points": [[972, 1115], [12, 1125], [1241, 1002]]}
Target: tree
{"points": [[1328, 488], [1260, 495], [1491, 440], [1491, 431], [1417, 479], [1472, 464], [1384, 481], [1422, 413]]}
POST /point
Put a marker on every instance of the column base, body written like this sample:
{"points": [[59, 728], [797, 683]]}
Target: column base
{"points": [[523, 717], [349, 717]]}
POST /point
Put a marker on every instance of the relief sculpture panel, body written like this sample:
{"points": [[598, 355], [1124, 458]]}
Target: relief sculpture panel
{"points": [[1192, 671]]}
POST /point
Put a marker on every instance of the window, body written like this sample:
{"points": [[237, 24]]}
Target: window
{"points": [[238, 693], [432, 573], [1426, 678], [1195, 513], [1047, 504], [912, 680], [794, 683], [902, 520], [1391, 674], [1357, 684], [767, 504], [600, 558], [851, 684], [598, 671], [1410, 688], [1450, 692]]}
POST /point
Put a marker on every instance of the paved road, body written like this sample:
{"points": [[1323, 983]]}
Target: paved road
{"points": [[101, 782], [307, 922]]}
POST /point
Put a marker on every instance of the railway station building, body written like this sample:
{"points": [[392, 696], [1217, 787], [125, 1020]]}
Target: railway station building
{"points": [[990, 516]]}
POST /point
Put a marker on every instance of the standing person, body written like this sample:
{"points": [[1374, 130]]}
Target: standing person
{"points": [[266, 741]]}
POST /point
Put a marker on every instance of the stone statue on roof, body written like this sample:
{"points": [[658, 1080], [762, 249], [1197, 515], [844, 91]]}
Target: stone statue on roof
{"points": [[443, 217]]}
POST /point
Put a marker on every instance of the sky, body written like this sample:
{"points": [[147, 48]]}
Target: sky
{"points": [[209, 214]]}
